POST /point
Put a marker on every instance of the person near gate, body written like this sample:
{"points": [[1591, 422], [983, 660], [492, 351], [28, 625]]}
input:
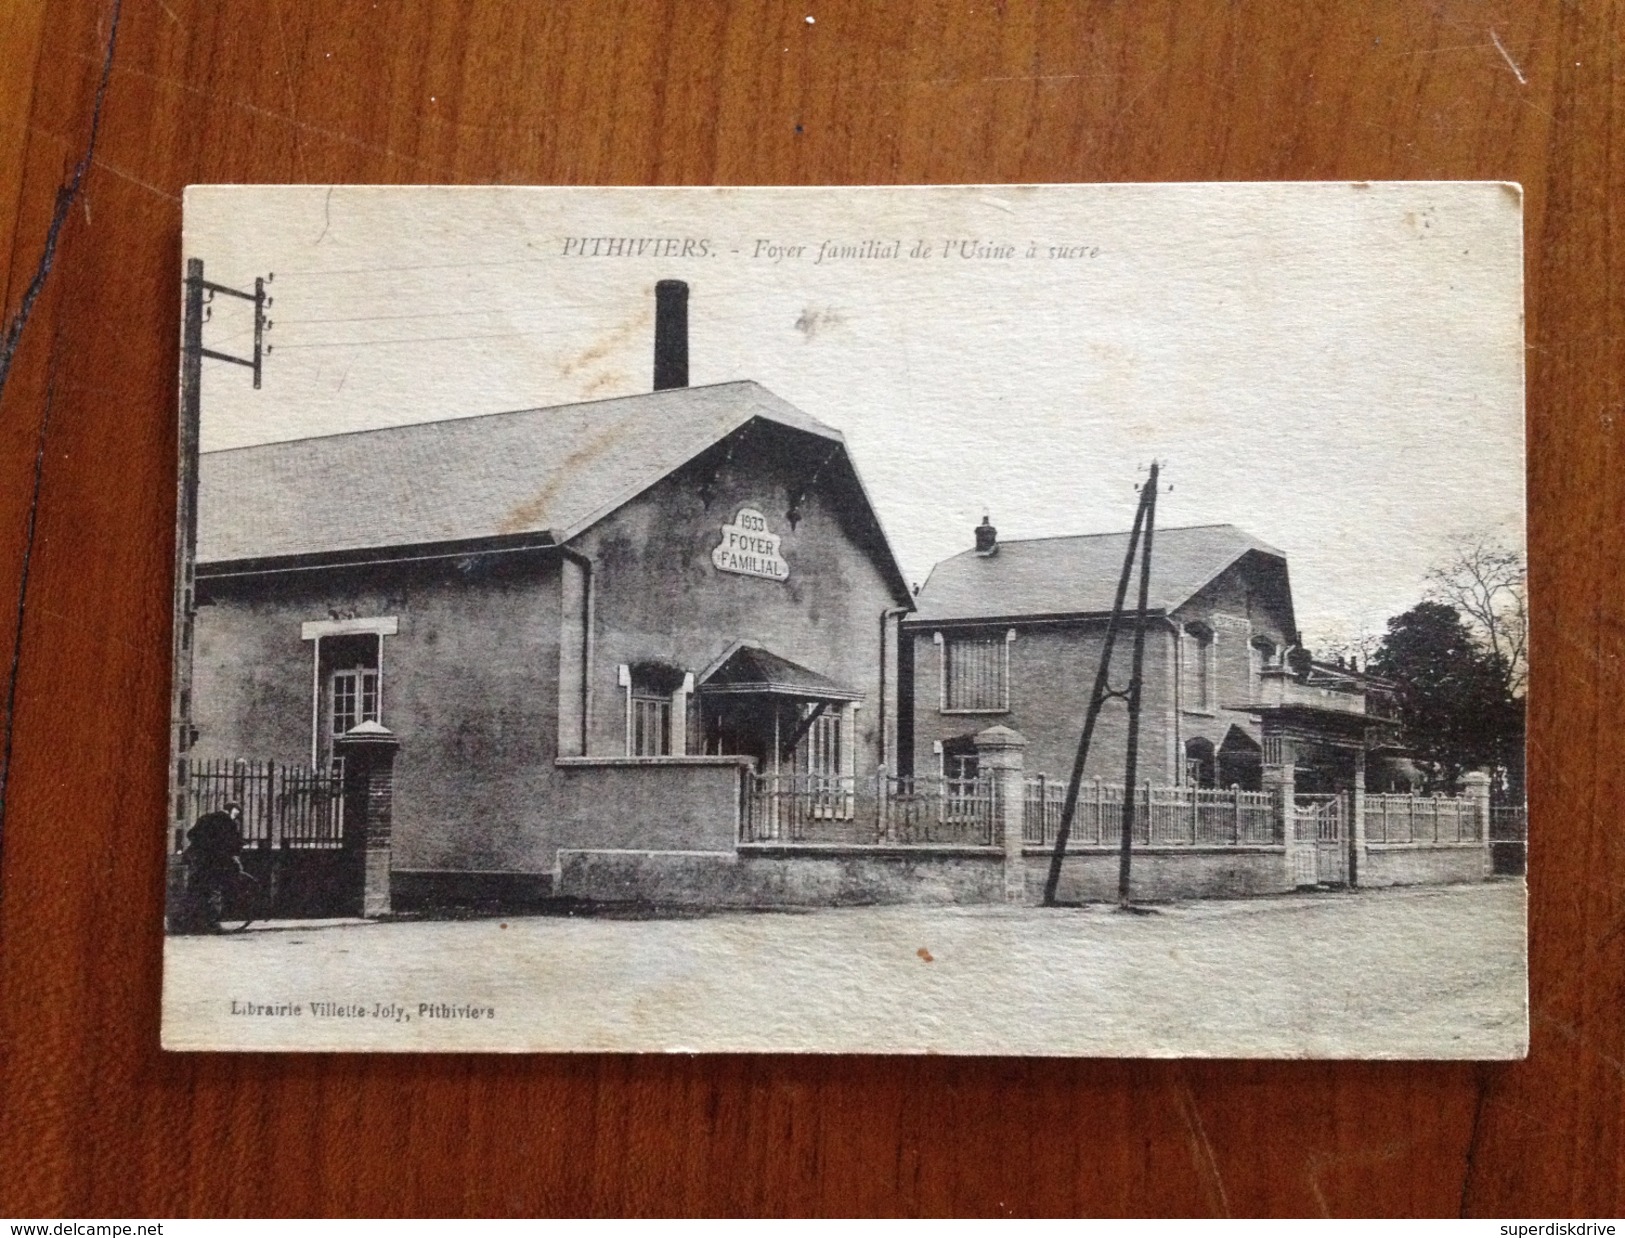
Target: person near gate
{"points": [[213, 858]]}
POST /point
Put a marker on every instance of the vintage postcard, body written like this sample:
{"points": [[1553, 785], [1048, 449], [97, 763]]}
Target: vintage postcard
{"points": [[1001, 619]]}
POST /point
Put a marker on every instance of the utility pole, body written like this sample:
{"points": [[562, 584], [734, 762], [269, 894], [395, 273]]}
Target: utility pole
{"points": [[199, 293], [1131, 765], [1144, 519]]}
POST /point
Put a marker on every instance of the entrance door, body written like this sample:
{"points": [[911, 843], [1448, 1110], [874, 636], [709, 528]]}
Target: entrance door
{"points": [[756, 726], [1323, 822], [741, 726]]}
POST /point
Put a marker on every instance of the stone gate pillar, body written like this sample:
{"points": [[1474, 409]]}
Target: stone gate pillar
{"points": [[1357, 819], [369, 751], [1477, 785], [1281, 779], [1000, 758]]}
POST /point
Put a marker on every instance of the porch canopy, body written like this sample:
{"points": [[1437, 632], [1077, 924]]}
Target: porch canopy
{"points": [[748, 691], [1327, 745], [750, 670], [1339, 728]]}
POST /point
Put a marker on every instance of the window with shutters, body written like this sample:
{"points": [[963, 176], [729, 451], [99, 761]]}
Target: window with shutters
{"points": [[346, 678], [651, 725], [656, 701], [976, 674], [351, 676]]}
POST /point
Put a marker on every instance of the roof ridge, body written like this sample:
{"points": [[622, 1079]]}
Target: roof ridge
{"points": [[1080, 537], [1076, 577], [506, 412], [557, 468], [1165, 528]]}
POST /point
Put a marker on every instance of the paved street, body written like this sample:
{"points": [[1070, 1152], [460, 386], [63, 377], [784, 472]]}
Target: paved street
{"points": [[1424, 972]]}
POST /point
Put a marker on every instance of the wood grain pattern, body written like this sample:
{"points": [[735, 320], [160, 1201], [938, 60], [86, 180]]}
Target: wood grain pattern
{"points": [[94, 1120]]}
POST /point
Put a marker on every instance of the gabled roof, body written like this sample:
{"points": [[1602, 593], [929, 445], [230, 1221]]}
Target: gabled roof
{"points": [[749, 669], [1079, 575], [542, 471]]}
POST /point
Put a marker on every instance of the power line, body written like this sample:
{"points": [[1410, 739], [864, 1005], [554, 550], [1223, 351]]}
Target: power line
{"points": [[410, 339], [417, 266], [294, 322], [455, 313]]}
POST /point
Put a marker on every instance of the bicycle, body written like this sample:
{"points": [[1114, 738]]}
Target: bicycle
{"points": [[230, 905]]}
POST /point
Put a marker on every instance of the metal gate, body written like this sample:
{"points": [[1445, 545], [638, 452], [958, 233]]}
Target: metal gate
{"points": [[1321, 827], [293, 832]]}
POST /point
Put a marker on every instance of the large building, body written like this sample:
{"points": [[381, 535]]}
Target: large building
{"points": [[1012, 633], [582, 621]]}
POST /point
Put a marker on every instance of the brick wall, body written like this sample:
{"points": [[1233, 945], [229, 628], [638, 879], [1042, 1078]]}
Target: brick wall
{"points": [[1052, 672], [1052, 669]]}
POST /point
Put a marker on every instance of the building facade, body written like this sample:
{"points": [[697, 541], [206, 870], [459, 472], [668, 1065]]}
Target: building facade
{"points": [[580, 624], [657, 649], [1012, 633]]}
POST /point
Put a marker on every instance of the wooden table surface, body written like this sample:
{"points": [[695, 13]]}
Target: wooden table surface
{"points": [[107, 111]]}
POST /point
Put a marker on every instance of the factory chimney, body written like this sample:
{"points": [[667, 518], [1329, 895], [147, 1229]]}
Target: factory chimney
{"points": [[671, 334]]}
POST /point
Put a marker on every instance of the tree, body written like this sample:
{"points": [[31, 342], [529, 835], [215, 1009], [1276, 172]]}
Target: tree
{"points": [[1486, 580], [1349, 643], [1455, 704]]}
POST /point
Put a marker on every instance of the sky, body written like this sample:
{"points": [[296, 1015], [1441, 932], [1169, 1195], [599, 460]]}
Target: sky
{"points": [[1335, 368]]}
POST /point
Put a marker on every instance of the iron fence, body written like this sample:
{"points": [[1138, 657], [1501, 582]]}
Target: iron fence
{"points": [[1399, 818], [929, 809], [284, 807], [882, 811], [1509, 823], [1509, 839], [888, 810], [1163, 816]]}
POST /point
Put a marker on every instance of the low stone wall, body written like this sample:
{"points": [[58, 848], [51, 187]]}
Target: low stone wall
{"points": [[646, 803], [782, 877], [653, 805], [764, 876], [442, 889], [1159, 874], [808, 876], [1508, 859], [1401, 864]]}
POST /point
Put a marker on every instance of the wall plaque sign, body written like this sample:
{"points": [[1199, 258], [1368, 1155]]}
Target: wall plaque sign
{"points": [[749, 548]]}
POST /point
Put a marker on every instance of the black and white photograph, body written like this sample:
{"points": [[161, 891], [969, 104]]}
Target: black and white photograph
{"points": [[1037, 620]]}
